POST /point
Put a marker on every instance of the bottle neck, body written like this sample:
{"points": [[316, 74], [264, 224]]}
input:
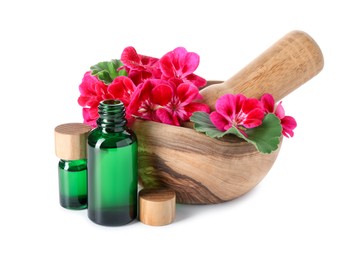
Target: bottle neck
{"points": [[111, 116]]}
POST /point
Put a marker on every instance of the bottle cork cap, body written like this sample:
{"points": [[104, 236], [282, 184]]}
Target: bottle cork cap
{"points": [[70, 141], [157, 206]]}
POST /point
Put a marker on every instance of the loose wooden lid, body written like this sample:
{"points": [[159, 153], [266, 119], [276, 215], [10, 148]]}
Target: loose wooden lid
{"points": [[157, 206], [70, 141]]}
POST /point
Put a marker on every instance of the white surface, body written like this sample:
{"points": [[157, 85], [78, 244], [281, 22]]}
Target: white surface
{"points": [[305, 208]]}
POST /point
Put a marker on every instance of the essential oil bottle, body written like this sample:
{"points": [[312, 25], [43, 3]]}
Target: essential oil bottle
{"points": [[70, 147], [112, 167]]}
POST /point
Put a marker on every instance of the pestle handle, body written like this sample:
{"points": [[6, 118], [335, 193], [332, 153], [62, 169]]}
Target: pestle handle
{"points": [[286, 65]]}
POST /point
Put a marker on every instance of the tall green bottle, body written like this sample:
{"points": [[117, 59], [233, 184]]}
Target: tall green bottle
{"points": [[112, 167]]}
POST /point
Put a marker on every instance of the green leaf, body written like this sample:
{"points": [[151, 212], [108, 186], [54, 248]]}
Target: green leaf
{"points": [[107, 71], [202, 123], [265, 137]]}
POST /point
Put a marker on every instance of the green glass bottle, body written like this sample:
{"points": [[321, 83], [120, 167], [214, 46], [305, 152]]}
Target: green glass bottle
{"points": [[112, 167], [73, 184], [70, 147]]}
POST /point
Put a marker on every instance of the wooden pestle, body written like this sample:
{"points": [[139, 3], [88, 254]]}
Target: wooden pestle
{"points": [[286, 65]]}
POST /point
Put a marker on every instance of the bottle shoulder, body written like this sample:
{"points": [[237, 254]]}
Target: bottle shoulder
{"points": [[101, 139], [73, 165]]}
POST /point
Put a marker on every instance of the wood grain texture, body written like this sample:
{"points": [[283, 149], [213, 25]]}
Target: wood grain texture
{"points": [[70, 141], [200, 169], [203, 170], [157, 206], [282, 68]]}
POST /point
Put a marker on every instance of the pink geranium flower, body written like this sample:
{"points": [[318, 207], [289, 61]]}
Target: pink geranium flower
{"points": [[92, 91], [180, 64], [162, 101], [139, 67], [122, 88], [163, 90], [148, 98], [237, 111], [288, 123], [182, 104]]}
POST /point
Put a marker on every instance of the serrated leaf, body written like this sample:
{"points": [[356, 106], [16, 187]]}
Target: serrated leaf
{"points": [[107, 71], [265, 137]]}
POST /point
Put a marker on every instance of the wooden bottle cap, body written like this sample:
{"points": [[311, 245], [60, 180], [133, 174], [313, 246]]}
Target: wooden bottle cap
{"points": [[157, 206], [70, 141]]}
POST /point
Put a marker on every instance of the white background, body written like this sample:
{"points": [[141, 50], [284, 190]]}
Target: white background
{"points": [[305, 208]]}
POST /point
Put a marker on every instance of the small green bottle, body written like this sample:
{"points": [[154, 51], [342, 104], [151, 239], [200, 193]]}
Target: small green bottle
{"points": [[112, 167], [70, 147]]}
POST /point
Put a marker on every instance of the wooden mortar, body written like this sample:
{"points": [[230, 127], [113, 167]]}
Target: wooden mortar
{"points": [[203, 170]]}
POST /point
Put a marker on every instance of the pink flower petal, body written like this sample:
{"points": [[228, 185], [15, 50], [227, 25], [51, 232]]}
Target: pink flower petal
{"points": [[288, 125], [250, 104], [196, 80], [148, 62], [86, 86], [167, 67], [181, 64], [279, 111], [186, 112], [122, 88], [161, 94], [268, 103], [187, 93], [90, 116], [135, 102], [92, 92], [166, 117], [194, 107], [139, 67], [130, 58], [82, 100], [189, 63], [220, 121], [145, 89], [228, 106], [254, 118], [182, 61]]}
